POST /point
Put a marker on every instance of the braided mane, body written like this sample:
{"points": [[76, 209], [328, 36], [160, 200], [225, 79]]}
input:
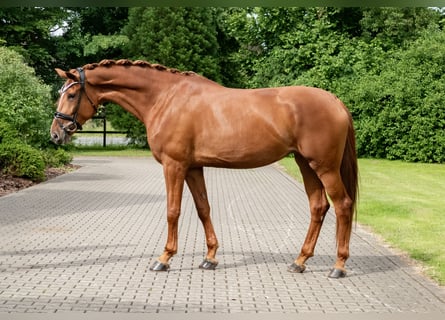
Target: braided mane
{"points": [[138, 63]]}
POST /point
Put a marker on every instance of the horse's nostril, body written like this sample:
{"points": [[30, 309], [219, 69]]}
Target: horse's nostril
{"points": [[54, 136]]}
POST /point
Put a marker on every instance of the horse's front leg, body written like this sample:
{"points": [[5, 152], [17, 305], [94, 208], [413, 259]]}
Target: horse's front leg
{"points": [[174, 174], [196, 184]]}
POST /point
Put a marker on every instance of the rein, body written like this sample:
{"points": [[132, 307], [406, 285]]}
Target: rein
{"points": [[74, 125]]}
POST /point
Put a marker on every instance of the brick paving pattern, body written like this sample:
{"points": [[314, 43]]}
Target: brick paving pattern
{"points": [[84, 241]]}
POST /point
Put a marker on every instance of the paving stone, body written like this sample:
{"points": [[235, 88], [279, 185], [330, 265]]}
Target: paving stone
{"points": [[84, 241]]}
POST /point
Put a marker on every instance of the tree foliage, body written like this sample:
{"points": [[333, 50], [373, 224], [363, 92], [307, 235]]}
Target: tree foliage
{"points": [[400, 113], [185, 38], [394, 27], [384, 63], [82, 37]]}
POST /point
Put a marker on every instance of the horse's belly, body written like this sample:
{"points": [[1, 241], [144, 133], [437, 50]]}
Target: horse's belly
{"points": [[241, 156]]}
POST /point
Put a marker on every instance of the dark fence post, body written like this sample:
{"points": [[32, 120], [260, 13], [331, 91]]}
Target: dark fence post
{"points": [[102, 115], [105, 130]]}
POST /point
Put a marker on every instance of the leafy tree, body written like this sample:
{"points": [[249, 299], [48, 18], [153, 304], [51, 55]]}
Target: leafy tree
{"points": [[106, 46], [394, 27], [296, 41], [102, 20], [400, 112], [90, 35], [29, 31], [182, 38], [232, 70], [101, 28], [382, 64], [240, 45]]}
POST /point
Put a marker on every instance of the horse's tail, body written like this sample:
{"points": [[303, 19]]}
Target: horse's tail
{"points": [[349, 169]]}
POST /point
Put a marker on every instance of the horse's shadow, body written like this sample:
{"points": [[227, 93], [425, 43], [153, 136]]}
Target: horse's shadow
{"points": [[357, 265]]}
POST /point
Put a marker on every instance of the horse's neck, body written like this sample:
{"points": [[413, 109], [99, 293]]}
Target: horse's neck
{"points": [[134, 89]]}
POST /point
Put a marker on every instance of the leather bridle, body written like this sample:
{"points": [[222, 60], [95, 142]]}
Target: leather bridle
{"points": [[74, 124]]}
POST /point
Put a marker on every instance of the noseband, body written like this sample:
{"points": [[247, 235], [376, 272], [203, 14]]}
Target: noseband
{"points": [[74, 125]]}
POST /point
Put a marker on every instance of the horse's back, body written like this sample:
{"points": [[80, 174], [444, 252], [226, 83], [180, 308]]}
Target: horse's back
{"points": [[254, 127], [243, 128]]}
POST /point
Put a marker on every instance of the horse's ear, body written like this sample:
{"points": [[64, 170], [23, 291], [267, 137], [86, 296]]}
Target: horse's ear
{"points": [[66, 74]]}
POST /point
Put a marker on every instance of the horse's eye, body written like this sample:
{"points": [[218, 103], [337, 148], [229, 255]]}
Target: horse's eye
{"points": [[71, 127], [71, 96]]}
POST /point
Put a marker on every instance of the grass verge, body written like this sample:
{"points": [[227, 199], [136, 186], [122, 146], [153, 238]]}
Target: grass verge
{"points": [[109, 151], [403, 202]]}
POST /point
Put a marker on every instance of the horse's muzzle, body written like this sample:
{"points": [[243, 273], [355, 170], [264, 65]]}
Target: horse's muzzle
{"points": [[55, 137], [59, 137]]}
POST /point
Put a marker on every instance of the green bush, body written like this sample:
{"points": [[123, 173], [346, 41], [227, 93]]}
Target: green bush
{"points": [[25, 117], [24, 128], [56, 157], [400, 113], [6, 132], [397, 98], [25, 102], [18, 158], [22, 160]]}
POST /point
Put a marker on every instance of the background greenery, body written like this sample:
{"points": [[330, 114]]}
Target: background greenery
{"points": [[25, 105], [386, 64]]}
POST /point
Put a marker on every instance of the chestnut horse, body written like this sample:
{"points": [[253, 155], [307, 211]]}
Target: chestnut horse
{"points": [[193, 122]]}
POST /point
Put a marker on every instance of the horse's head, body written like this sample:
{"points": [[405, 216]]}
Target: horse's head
{"points": [[74, 106]]}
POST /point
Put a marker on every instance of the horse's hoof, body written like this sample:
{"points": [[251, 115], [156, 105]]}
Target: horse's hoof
{"points": [[295, 268], [159, 266], [208, 265], [337, 273]]}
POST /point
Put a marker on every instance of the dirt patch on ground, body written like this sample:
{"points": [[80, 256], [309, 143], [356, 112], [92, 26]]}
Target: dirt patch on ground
{"points": [[9, 184]]}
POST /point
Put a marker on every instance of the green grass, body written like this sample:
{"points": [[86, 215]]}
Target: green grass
{"points": [[109, 151], [404, 203]]}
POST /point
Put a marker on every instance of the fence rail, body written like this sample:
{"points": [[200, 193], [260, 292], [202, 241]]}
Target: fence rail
{"points": [[104, 131]]}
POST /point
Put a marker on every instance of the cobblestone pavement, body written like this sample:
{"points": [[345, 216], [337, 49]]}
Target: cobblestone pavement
{"points": [[83, 242]]}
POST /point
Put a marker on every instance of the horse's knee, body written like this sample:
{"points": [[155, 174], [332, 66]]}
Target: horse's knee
{"points": [[173, 215]]}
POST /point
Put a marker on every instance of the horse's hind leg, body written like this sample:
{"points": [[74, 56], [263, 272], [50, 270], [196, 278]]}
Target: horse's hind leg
{"points": [[344, 212], [196, 184], [319, 205]]}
